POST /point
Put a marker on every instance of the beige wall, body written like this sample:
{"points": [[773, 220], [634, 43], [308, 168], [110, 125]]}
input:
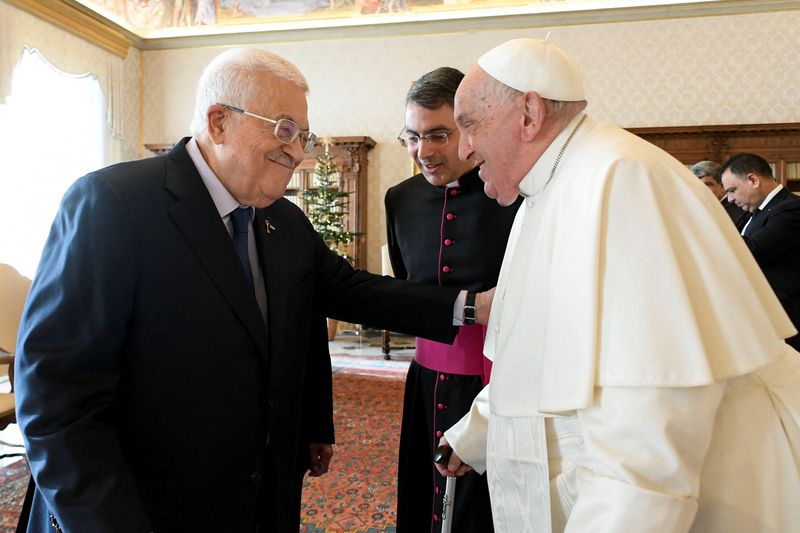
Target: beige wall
{"points": [[712, 70], [709, 70]]}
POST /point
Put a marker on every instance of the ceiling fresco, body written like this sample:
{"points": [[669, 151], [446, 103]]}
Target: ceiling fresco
{"points": [[148, 15], [158, 18]]}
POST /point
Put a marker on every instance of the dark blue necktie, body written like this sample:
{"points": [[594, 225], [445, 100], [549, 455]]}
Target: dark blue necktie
{"points": [[241, 219], [753, 221]]}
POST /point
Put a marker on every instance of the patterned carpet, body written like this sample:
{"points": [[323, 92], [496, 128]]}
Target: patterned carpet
{"points": [[13, 482], [358, 494]]}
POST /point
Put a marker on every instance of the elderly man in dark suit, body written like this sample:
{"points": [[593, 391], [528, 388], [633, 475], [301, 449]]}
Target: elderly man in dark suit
{"points": [[170, 375], [773, 231], [708, 173]]}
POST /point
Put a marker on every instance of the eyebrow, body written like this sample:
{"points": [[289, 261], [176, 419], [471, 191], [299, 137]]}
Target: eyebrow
{"points": [[462, 118], [290, 117], [435, 129]]}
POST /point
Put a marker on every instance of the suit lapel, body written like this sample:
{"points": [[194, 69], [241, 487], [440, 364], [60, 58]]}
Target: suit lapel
{"points": [[761, 216], [773, 204], [274, 251], [197, 219]]}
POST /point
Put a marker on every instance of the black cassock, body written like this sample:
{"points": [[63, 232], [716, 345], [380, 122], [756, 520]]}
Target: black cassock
{"points": [[453, 236]]}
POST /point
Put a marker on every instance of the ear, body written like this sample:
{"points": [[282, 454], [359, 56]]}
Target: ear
{"points": [[216, 117], [753, 179], [534, 113]]}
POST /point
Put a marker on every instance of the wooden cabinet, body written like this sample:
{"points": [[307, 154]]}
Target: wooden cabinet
{"points": [[777, 143], [351, 157]]}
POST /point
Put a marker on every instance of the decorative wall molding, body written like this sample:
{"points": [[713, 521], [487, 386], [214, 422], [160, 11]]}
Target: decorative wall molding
{"points": [[66, 16]]}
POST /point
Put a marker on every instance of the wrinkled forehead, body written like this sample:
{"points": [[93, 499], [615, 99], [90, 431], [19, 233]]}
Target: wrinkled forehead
{"points": [[471, 92], [281, 98]]}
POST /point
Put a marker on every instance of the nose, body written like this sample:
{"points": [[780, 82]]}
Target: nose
{"points": [[296, 150], [424, 149], [465, 150]]}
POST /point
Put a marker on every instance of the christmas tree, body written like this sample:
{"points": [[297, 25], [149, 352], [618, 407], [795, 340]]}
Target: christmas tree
{"points": [[327, 206]]}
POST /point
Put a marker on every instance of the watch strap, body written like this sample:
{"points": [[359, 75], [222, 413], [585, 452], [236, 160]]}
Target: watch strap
{"points": [[469, 309]]}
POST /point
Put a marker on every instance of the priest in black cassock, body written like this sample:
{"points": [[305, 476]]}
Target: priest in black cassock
{"points": [[442, 229]]}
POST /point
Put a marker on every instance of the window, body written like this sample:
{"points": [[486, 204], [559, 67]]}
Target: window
{"points": [[53, 131]]}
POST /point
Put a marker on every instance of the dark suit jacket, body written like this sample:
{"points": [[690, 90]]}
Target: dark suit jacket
{"points": [[150, 393], [738, 215], [774, 239]]}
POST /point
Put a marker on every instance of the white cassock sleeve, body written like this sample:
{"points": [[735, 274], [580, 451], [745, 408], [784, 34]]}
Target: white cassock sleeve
{"points": [[644, 452], [468, 436]]}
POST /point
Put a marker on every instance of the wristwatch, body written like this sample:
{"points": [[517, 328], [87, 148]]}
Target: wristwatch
{"points": [[469, 309]]}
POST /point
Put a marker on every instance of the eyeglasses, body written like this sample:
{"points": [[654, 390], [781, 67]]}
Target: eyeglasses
{"points": [[412, 139], [286, 131]]}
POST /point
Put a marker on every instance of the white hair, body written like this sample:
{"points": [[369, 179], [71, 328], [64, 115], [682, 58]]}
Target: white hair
{"points": [[229, 79]]}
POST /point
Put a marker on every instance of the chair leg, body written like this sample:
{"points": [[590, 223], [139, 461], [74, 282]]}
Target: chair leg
{"points": [[386, 346]]}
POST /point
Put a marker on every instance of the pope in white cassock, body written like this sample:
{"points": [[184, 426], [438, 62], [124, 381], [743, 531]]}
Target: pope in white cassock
{"points": [[640, 382]]}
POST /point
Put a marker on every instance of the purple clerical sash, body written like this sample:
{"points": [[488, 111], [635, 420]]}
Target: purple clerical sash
{"points": [[464, 356]]}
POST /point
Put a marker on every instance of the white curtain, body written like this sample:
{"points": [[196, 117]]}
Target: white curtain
{"points": [[68, 54], [53, 131]]}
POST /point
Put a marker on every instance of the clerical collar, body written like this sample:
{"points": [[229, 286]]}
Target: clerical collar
{"points": [[535, 179]]}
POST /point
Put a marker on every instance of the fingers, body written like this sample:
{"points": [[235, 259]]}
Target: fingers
{"points": [[454, 467], [321, 455]]}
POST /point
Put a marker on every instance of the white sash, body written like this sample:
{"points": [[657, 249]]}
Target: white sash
{"points": [[518, 475]]}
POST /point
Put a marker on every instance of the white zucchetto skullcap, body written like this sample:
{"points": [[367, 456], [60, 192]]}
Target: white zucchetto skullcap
{"points": [[537, 66]]}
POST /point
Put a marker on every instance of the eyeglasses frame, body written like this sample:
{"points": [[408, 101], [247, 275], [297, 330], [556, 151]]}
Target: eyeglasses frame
{"points": [[423, 138], [312, 138]]}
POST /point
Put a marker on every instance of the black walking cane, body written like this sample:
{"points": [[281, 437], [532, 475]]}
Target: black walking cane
{"points": [[442, 456]]}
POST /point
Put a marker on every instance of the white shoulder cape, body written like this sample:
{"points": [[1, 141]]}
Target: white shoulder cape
{"points": [[625, 272]]}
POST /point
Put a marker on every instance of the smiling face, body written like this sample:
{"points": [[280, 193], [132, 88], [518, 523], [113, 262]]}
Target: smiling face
{"points": [[439, 163], [490, 136], [247, 158]]}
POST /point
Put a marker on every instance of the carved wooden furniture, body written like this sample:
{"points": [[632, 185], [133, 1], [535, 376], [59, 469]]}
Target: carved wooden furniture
{"points": [[777, 143], [7, 412], [159, 148]]}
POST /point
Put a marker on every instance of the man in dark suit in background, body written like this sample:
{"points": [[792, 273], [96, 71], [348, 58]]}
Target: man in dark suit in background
{"points": [[169, 364], [773, 231], [708, 172], [442, 229]]}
